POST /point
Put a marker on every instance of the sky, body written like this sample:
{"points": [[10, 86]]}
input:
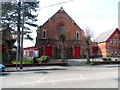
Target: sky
{"points": [[97, 15]]}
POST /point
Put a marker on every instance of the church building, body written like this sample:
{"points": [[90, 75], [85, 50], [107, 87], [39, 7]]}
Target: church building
{"points": [[48, 37]]}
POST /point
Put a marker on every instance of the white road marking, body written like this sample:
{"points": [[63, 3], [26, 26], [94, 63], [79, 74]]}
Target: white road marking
{"points": [[70, 78], [82, 77], [41, 79], [33, 82], [79, 77]]}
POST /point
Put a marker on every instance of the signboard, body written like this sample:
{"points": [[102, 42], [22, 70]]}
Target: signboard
{"points": [[36, 53], [30, 53]]}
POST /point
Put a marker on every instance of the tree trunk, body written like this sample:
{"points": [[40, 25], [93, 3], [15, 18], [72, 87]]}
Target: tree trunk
{"points": [[62, 52], [18, 36], [88, 53], [21, 49]]}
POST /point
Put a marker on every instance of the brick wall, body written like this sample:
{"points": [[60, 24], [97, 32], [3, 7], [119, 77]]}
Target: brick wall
{"points": [[61, 23]]}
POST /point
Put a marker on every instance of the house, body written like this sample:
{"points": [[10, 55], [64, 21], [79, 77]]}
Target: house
{"points": [[109, 43], [48, 37], [95, 51]]}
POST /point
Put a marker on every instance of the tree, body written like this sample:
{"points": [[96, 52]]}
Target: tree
{"points": [[62, 39], [7, 43], [87, 36], [12, 14]]}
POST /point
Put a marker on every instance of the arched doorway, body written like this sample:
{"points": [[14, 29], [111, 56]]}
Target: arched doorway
{"points": [[77, 51], [48, 50]]}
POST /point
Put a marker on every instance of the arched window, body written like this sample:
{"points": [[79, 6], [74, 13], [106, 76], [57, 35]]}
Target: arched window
{"points": [[44, 34], [77, 35], [61, 26]]}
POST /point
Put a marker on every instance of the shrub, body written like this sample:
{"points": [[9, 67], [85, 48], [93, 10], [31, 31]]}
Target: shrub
{"points": [[43, 59], [104, 59]]}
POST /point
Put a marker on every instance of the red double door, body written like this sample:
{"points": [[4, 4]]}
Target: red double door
{"points": [[77, 51], [48, 50]]}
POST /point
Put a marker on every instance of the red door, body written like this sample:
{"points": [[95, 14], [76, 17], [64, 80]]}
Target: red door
{"points": [[49, 50], [94, 50], [77, 51]]}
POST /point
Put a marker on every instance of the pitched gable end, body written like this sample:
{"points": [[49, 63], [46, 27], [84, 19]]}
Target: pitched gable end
{"points": [[61, 10]]}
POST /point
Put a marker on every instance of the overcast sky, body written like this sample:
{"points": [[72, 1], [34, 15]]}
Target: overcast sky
{"points": [[98, 15]]}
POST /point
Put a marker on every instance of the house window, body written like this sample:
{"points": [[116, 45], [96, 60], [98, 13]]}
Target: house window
{"points": [[111, 41], [116, 51], [111, 51], [44, 35], [77, 35], [115, 41]]}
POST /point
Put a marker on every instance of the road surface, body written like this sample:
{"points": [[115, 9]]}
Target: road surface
{"points": [[98, 76]]}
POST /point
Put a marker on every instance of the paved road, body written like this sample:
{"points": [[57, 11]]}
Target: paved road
{"points": [[99, 76]]}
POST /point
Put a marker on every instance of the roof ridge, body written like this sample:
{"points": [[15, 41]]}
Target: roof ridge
{"points": [[105, 35], [110, 30], [61, 9]]}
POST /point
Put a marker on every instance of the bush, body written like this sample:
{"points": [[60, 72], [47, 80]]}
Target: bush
{"points": [[104, 59], [107, 59], [43, 59]]}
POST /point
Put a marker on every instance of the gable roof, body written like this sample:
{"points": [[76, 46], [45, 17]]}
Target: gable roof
{"points": [[61, 9], [105, 35]]}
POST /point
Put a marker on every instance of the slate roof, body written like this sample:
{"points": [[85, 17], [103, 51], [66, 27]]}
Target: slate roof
{"points": [[104, 36]]}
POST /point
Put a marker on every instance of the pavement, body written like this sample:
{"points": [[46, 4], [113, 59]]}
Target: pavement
{"points": [[54, 66], [43, 67], [34, 68], [71, 62]]}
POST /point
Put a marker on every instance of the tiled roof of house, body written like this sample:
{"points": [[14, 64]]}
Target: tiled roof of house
{"points": [[104, 36]]}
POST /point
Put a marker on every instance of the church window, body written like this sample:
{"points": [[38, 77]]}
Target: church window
{"points": [[44, 35], [61, 26], [77, 35]]}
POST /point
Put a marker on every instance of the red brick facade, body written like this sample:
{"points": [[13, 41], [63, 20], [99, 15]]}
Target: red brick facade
{"points": [[109, 43], [48, 41], [113, 44]]}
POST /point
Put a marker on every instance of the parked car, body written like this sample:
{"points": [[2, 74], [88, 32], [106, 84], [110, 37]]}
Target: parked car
{"points": [[2, 68]]}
